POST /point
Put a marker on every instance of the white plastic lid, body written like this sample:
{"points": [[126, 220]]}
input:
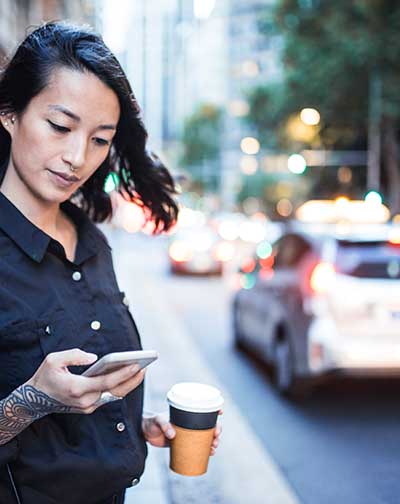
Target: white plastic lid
{"points": [[195, 397]]}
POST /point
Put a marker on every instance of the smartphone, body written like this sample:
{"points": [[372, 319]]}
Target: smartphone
{"points": [[113, 361]]}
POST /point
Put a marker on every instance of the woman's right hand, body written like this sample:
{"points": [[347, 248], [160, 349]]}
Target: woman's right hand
{"points": [[81, 393]]}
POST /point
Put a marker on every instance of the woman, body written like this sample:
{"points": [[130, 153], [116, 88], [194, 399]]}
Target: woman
{"points": [[68, 118]]}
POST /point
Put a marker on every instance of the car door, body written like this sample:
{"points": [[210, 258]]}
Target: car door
{"points": [[263, 308], [279, 294]]}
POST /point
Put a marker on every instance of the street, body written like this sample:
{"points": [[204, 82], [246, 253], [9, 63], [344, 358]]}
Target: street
{"points": [[338, 446]]}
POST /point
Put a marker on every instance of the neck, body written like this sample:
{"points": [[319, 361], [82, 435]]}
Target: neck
{"points": [[45, 215]]}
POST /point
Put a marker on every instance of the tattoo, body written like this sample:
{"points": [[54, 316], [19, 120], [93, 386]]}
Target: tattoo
{"points": [[22, 407]]}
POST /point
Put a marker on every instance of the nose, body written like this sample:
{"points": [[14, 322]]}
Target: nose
{"points": [[75, 154]]}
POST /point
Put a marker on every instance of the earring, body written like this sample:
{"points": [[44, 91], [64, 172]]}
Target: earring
{"points": [[13, 120], [6, 123]]}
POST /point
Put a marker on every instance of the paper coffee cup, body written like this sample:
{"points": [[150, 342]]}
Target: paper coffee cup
{"points": [[193, 412]]}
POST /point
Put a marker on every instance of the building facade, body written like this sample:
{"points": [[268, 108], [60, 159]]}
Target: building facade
{"points": [[177, 60], [18, 17]]}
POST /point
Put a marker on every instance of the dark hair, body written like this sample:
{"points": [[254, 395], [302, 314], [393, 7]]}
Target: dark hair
{"points": [[141, 174]]}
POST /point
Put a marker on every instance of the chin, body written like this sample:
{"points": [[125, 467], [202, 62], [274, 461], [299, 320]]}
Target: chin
{"points": [[52, 196]]}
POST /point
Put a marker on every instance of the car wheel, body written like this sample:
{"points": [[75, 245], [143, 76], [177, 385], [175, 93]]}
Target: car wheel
{"points": [[285, 379]]}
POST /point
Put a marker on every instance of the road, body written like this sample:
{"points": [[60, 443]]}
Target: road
{"points": [[339, 446]]}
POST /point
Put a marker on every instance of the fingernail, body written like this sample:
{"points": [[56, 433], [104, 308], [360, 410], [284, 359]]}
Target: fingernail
{"points": [[170, 433]]}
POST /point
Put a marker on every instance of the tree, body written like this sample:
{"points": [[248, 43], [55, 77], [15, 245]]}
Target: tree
{"points": [[201, 140], [342, 59]]}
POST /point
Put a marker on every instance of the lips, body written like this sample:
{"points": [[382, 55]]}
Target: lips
{"points": [[65, 176]]}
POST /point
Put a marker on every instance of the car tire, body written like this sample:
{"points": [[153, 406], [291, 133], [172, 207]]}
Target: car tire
{"points": [[285, 380]]}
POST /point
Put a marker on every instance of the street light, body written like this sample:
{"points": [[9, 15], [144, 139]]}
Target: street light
{"points": [[310, 116]]}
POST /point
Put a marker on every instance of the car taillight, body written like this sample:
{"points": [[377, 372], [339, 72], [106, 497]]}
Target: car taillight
{"points": [[394, 237], [322, 277]]}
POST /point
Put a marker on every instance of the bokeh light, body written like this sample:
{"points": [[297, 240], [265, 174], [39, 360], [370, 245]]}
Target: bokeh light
{"points": [[238, 108], [252, 231], [297, 164], [250, 145], [344, 175], [284, 207], [248, 165], [250, 68], [249, 266], [130, 217], [264, 249], [248, 281], [310, 116], [373, 197], [180, 252], [224, 251]]}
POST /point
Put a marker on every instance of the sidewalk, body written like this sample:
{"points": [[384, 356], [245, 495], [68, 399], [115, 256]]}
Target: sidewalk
{"points": [[241, 472]]}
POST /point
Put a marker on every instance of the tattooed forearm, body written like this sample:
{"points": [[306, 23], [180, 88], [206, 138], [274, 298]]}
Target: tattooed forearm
{"points": [[22, 407]]}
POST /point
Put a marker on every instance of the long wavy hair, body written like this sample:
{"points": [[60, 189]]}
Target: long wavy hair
{"points": [[142, 177]]}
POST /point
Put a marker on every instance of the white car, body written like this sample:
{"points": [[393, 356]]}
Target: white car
{"points": [[322, 305]]}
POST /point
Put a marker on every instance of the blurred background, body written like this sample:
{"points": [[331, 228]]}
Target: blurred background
{"points": [[279, 120]]}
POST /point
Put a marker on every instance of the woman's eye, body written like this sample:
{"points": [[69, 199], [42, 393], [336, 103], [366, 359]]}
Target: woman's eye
{"points": [[57, 127], [101, 141]]}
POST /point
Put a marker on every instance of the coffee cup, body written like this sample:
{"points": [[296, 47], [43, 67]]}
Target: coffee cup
{"points": [[193, 413]]}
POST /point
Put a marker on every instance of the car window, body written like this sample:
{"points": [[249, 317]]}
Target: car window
{"points": [[290, 250], [372, 259]]}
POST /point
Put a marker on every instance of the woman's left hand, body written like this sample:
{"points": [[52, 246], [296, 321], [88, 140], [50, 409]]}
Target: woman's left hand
{"points": [[158, 431]]}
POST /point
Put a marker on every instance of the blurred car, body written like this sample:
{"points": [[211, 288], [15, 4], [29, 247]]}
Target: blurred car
{"points": [[198, 250], [319, 305]]}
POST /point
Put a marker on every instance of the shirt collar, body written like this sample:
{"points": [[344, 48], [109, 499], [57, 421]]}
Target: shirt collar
{"points": [[33, 241]]}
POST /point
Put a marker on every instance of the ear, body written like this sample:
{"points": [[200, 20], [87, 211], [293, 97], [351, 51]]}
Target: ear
{"points": [[8, 121]]}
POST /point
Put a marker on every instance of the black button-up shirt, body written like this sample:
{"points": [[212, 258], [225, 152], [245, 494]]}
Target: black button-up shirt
{"points": [[49, 304]]}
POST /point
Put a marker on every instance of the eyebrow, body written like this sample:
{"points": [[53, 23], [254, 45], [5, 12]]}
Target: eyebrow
{"points": [[76, 118]]}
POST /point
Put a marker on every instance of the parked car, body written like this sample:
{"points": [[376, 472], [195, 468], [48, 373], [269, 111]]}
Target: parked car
{"points": [[321, 305], [198, 250]]}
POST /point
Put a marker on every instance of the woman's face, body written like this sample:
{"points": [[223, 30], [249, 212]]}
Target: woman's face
{"points": [[71, 123]]}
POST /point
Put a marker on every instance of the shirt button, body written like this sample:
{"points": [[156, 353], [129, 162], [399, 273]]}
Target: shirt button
{"points": [[120, 427], [76, 275], [48, 330], [125, 301], [135, 481], [95, 325]]}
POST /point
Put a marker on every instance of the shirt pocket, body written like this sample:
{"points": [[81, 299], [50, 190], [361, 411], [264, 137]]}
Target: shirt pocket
{"points": [[25, 344]]}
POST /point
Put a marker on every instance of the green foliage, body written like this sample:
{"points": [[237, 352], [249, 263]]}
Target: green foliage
{"points": [[331, 50], [201, 136]]}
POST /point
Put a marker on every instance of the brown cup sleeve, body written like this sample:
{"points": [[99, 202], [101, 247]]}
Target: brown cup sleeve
{"points": [[190, 451]]}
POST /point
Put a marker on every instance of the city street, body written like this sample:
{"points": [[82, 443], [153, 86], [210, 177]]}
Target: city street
{"points": [[276, 279], [340, 446]]}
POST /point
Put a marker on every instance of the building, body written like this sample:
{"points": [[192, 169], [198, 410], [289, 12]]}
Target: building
{"points": [[179, 54]]}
